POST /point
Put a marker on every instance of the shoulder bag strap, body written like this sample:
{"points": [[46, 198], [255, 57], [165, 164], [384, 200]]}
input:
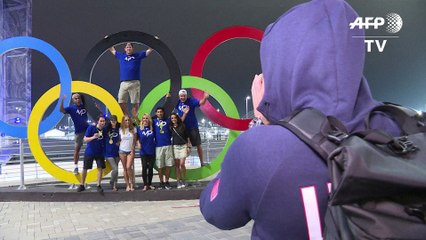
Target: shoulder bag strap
{"points": [[319, 132], [407, 119], [179, 134]]}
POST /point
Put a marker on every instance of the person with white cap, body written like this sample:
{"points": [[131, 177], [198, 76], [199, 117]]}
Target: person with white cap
{"points": [[190, 120]]}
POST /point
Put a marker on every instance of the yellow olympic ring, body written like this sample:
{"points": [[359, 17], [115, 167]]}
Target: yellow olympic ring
{"points": [[36, 116]]}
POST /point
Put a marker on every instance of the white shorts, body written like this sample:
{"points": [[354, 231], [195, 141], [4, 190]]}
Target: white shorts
{"points": [[164, 156], [180, 151], [130, 88]]}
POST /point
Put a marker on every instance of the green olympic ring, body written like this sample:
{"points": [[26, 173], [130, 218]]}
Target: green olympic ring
{"points": [[215, 91]]}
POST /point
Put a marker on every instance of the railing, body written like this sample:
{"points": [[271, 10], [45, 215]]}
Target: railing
{"points": [[21, 168]]}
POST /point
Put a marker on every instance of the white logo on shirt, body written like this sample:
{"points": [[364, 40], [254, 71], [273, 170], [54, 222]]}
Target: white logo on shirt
{"points": [[113, 135], [182, 107], [129, 58], [161, 124], [147, 133], [81, 112]]}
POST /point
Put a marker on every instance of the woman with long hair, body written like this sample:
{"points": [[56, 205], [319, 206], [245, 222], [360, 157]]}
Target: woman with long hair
{"points": [[127, 150], [181, 147], [111, 149], [147, 150]]}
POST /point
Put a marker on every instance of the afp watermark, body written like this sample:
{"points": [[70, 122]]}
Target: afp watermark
{"points": [[392, 23]]}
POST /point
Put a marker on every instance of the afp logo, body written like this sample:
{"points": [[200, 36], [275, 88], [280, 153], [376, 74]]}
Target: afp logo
{"points": [[392, 23]]}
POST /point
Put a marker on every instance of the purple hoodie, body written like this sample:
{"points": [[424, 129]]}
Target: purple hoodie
{"points": [[309, 59]]}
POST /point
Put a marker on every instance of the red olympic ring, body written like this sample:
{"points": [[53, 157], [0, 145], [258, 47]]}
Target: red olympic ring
{"points": [[197, 70]]}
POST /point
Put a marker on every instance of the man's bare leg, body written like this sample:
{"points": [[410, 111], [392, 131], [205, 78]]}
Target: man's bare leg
{"points": [[200, 154], [124, 108], [135, 107], [76, 158]]}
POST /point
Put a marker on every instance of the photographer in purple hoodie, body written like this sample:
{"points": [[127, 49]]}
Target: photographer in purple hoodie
{"points": [[309, 59]]}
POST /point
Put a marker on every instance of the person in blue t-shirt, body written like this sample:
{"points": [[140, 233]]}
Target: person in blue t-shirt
{"points": [[163, 147], [111, 149], [147, 150], [78, 114], [130, 75], [95, 150], [190, 120]]}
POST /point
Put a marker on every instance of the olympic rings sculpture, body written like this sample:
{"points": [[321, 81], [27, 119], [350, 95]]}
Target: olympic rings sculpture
{"points": [[37, 126], [36, 115], [64, 77], [197, 70]]}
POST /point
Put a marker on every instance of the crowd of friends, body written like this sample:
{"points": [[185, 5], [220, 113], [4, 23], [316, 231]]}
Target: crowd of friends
{"points": [[161, 140]]}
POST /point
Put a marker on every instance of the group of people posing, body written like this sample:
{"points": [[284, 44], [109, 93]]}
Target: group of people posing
{"points": [[165, 141]]}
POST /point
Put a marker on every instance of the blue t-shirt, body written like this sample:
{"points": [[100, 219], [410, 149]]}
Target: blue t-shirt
{"points": [[79, 117], [95, 147], [147, 141], [111, 147], [130, 65], [190, 120], [162, 132]]}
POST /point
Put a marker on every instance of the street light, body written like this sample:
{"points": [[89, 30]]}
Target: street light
{"points": [[247, 99], [203, 121]]}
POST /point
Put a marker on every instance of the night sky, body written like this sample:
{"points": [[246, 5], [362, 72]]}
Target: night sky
{"points": [[398, 74]]}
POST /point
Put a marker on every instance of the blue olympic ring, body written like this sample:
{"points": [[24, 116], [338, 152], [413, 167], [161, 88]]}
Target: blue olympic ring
{"points": [[64, 77]]}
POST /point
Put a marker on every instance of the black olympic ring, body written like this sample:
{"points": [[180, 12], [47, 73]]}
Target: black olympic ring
{"points": [[161, 48]]}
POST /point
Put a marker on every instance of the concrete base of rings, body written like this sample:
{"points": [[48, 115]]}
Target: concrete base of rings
{"points": [[60, 192]]}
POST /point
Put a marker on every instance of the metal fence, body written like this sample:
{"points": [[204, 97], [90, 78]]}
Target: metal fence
{"points": [[18, 166]]}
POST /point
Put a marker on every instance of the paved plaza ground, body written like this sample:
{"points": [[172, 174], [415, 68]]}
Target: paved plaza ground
{"points": [[179, 219], [48, 209]]}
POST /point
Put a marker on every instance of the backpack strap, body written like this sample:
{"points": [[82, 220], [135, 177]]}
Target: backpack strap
{"points": [[408, 120], [321, 133]]}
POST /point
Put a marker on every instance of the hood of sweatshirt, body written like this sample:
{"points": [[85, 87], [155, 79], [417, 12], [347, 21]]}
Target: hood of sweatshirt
{"points": [[311, 58]]}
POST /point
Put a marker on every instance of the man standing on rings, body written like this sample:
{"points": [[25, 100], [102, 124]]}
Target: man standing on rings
{"points": [[78, 114], [130, 75], [190, 121]]}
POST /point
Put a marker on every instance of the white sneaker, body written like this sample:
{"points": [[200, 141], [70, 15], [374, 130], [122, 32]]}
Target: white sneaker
{"points": [[179, 186]]}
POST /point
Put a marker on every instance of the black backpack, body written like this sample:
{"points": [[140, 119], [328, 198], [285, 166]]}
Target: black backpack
{"points": [[378, 181]]}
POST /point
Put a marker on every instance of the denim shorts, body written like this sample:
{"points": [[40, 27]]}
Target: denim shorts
{"points": [[124, 152]]}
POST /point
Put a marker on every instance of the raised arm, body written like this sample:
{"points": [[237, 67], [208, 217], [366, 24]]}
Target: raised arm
{"points": [[185, 112], [166, 99], [61, 105], [206, 95], [148, 51], [88, 139], [98, 108], [112, 50]]}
